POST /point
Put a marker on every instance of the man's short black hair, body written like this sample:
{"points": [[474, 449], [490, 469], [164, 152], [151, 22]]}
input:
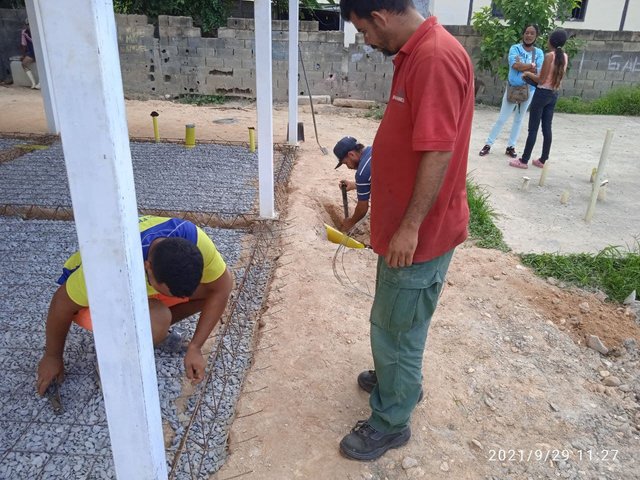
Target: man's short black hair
{"points": [[177, 263], [363, 8]]}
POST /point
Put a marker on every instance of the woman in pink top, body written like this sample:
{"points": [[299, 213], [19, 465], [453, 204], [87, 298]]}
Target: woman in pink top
{"points": [[544, 99]]}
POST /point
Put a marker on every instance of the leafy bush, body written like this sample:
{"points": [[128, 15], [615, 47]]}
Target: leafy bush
{"points": [[498, 34]]}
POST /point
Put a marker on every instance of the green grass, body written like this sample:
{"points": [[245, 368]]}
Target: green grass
{"points": [[614, 270], [376, 111], [200, 100], [482, 229], [620, 101]]}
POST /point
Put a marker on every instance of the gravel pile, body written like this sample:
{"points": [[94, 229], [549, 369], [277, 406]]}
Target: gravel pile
{"points": [[208, 178], [35, 443]]}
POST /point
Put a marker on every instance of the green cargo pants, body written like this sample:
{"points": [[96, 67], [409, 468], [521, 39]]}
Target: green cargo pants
{"points": [[404, 302]]}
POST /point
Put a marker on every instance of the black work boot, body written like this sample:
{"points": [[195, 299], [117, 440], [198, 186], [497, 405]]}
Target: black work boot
{"points": [[368, 379], [366, 443]]}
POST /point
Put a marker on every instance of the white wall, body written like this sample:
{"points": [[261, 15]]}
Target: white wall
{"points": [[451, 12], [632, 22], [600, 14]]}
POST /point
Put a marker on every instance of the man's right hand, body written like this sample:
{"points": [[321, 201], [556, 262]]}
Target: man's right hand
{"points": [[350, 185], [49, 368]]}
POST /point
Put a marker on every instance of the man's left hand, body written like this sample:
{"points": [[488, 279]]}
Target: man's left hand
{"points": [[194, 364]]}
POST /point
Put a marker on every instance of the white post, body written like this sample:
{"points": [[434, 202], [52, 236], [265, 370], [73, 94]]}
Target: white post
{"points": [[264, 92], [543, 175], [42, 62], [87, 86], [293, 71], [604, 156]]}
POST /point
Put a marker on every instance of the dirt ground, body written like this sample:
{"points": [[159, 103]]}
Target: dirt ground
{"points": [[505, 370]]}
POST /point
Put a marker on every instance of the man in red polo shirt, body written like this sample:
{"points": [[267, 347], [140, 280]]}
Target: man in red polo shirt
{"points": [[419, 210]]}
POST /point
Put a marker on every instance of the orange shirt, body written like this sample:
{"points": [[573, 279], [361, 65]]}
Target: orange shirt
{"points": [[430, 109]]}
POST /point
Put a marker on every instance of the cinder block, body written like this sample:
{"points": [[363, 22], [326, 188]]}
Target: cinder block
{"points": [[631, 46], [169, 31], [602, 35], [137, 20], [597, 46], [192, 32], [237, 23], [632, 77], [335, 37], [206, 52], [309, 26], [214, 62], [121, 23], [596, 75], [603, 85], [163, 20], [169, 51], [245, 35], [614, 75], [232, 62], [226, 33], [181, 21], [248, 63], [234, 43], [213, 42], [224, 52], [584, 84], [187, 52], [244, 72], [317, 36], [194, 42]]}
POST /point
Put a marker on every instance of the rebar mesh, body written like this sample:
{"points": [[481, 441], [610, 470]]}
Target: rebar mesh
{"points": [[37, 444]]}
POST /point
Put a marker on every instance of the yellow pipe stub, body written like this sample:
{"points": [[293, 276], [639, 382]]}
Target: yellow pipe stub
{"points": [[190, 136], [336, 236]]}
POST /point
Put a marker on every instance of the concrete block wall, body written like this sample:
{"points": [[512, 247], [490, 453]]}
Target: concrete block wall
{"points": [[172, 58], [187, 63]]}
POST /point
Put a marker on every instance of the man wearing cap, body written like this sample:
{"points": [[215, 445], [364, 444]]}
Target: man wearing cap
{"points": [[356, 157]]}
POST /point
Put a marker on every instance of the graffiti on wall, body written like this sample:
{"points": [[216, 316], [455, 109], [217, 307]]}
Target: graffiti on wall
{"points": [[623, 63]]}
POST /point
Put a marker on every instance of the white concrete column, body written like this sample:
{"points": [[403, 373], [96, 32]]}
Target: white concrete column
{"points": [[294, 24], [84, 70], [42, 63], [264, 93]]}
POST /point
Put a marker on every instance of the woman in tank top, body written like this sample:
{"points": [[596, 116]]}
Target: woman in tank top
{"points": [[544, 99]]}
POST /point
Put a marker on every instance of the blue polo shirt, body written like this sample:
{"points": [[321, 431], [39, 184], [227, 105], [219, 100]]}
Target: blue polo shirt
{"points": [[363, 176]]}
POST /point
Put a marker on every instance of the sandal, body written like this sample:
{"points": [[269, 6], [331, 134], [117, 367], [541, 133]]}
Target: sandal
{"points": [[511, 151], [538, 163], [518, 163], [485, 150]]}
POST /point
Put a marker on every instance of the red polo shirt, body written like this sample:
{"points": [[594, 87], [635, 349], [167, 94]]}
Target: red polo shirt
{"points": [[430, 109]]}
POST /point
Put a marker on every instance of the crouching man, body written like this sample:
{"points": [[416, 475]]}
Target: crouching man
{"points": [[185, 275]]}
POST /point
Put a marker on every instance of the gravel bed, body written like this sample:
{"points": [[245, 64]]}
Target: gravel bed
{"points": [[35, 443], [212, 178]]}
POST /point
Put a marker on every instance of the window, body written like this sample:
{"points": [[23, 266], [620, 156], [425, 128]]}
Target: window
{"points": [[578, 13], [495, 11]]}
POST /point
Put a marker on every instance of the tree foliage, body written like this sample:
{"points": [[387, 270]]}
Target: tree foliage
{"points": [[207, 14], [498, 34]]}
